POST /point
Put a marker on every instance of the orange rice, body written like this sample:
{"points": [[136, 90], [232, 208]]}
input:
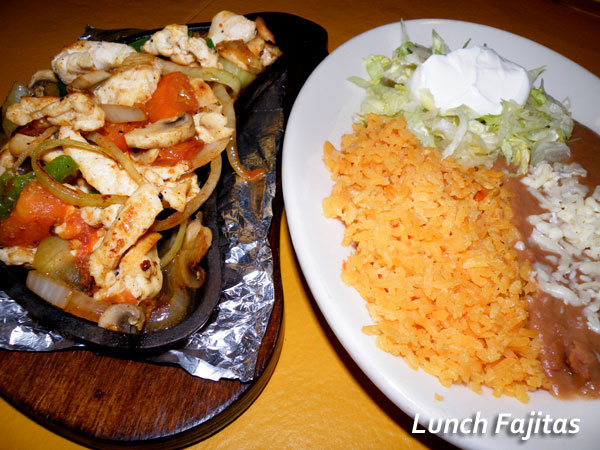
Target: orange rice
{"points": [[434, 259]]}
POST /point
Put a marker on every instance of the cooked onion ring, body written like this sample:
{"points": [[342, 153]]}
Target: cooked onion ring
{"points": [[88, 80], [122, 113], [109, 149], [244, 76], [41, 138], [209, 152], [66, 193], [195, 203], [204, 73], [232, 154], [175, 247]]}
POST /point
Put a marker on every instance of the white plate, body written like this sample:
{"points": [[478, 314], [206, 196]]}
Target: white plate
{"points": [[323, 111]]}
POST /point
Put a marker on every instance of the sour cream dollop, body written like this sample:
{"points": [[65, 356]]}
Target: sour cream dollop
{"points": [[474, 76]]}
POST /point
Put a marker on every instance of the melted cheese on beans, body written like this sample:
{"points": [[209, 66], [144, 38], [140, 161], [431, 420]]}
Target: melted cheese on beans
{"points": [[570, 231]]}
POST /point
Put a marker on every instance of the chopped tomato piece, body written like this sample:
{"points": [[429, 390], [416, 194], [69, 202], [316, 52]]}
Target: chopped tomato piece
{"points": [[184, 151], [122, 297], [83, 237], [33, 217], [76, 228], [173, 96], [36, 203], [115, 132]]}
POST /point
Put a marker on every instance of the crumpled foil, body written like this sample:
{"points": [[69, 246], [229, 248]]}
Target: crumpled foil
{"points": [[227, 347]]}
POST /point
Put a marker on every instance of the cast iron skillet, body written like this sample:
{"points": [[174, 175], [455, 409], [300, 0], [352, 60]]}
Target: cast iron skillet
{"points": [[294, 36]]}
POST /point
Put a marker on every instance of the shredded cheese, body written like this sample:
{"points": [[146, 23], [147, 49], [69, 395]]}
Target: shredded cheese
{"points": [[570, 230]]}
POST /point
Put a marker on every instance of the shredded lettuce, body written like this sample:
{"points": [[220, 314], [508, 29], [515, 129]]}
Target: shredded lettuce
{"points": [[523, 135]]}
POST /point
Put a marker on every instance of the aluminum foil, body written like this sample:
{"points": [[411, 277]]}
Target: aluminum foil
{"points": [[227, 347]]}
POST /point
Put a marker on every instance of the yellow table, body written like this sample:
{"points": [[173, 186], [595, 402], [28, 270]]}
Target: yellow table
{"points": [[317, 397]]}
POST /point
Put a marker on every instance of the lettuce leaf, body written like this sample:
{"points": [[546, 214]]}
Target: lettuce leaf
{"points": [[523, 135]]}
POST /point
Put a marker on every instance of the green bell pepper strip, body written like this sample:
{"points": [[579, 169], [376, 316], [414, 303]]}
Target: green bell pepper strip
{"points": [[12, 185], [16, 92]]}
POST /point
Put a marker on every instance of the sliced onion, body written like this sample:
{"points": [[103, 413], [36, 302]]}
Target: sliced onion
{"points": [[173, 306], [88, 80], [244, 76], [227, 102], [111, 150], [41, 138], [175, 247], [16, 92], [195, 203], [122, 113], [53, 291], [64, 297], [204, 73], [208, 153], [185, 275], [197, 242], [85, 306], [232, 154], [64, 192], [234, 160]]}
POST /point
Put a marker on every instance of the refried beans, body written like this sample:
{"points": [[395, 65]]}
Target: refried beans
{"points": [[569, 348]]}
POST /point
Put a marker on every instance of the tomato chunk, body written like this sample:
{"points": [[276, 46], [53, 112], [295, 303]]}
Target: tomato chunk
{"points": [[76, 228], [122, 297], [33, 217], [173, 96], [115, 132], [184, 151]]}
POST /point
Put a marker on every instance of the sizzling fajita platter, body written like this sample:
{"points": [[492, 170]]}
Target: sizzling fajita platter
{"points": [[74, 184]]}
